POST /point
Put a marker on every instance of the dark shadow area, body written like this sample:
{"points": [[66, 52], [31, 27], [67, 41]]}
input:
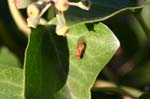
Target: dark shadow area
{"points": [[60, 45], [47, 63], [90, 26]]}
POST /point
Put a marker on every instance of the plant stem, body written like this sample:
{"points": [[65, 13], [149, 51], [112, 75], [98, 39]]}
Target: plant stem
{"points": [[18, 18], [101, 85]]}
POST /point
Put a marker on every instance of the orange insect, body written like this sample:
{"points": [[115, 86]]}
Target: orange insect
{"points": [[80, 49]]}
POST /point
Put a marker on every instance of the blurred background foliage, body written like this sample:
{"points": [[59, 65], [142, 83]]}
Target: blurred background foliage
{"points": [[130, 66], [10, 36]]}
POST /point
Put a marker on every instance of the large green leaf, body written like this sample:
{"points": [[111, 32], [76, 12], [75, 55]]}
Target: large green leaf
{"points": [[51, 68], [100, 10], [101, 45], [46, 58], [11, 83]]}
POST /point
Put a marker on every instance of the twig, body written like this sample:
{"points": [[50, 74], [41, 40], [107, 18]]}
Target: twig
{"points": [[101, 85], [18, 18]]}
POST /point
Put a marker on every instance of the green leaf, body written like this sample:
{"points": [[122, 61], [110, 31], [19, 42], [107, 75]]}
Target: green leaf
{"points": [[8, 58], [101, 45], [51, 68], [100, 10], [47, 56], [11, 83]]}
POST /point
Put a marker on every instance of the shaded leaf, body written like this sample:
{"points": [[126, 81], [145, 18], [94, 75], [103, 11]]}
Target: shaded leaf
{"points": [[51, 68], [46, 65], [11, 83], [99, 11]]}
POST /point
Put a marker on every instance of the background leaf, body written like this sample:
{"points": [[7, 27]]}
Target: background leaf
{"points": [[54, 66], [10, 82], [8, 58], [100, 10]]}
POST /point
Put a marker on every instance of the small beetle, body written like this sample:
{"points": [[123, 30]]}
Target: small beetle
{"points": [[80, 49]]}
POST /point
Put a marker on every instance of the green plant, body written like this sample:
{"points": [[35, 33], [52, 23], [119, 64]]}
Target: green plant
{"points": [[68, 47]]}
